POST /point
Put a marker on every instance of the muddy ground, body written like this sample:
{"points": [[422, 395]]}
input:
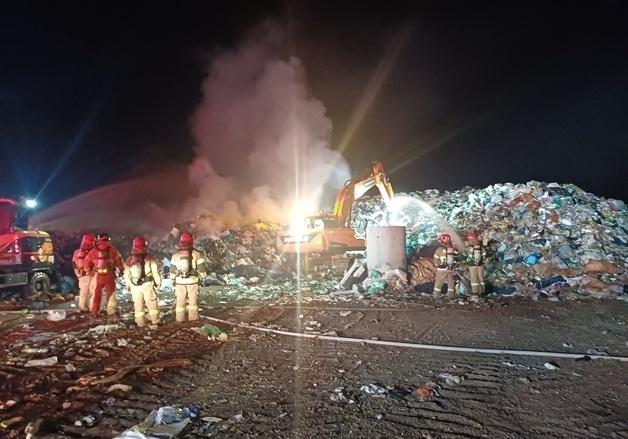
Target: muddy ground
{"points": [[300, 388]]}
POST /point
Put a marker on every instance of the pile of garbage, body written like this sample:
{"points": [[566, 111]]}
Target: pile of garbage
{"points": [[543, 239]]}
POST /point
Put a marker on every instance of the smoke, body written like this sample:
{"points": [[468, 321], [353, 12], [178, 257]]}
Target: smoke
{"points": [[262, 139], [262, 143]]}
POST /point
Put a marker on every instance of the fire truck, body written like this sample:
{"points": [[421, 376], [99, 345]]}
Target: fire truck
{"points": [[26, 256]]}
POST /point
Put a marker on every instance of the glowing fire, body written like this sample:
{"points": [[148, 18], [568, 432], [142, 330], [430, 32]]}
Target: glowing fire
{"points": [[298, 217]]}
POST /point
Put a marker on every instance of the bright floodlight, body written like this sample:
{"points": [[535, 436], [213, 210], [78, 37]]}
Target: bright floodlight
{"points": [[31, 204]]}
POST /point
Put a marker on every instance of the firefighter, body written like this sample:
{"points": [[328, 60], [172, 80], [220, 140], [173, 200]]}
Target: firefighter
{"points": [[85, 277], [444, 260], [104, 259], [186, 267], [141, 275], [474, 255]]}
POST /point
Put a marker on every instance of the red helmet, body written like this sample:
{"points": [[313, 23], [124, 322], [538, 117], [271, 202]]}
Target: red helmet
{"points": [[472, 236], [186, 241], [444, 239], [88, 241], [139, 246]]}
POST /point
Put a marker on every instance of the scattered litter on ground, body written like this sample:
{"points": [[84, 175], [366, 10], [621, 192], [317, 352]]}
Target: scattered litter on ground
{"points": [[103, 329], [450, 379], [56, 315], [166, 422], [50, 361], [551, 366], [374, 390], [120, 387]]}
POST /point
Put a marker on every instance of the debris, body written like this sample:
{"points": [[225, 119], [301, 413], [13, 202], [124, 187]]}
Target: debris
{"points": [[208, 329], [450, 379], [33, 428], [28, 350], [103, 329], [50, 361], [87, 421], [596, 352], [211, 420], [7, 423], [166, 422], [69, 367], [345, 313], [56, 315], [428, 390], [121, 387], [374, 390], [122, 342], [539, 236], [601, 267], [7, 404], [238, 418], [551, 366], [568, 345]]}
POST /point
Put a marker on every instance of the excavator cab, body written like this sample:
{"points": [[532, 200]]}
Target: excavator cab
{"points": [[330, 234]]}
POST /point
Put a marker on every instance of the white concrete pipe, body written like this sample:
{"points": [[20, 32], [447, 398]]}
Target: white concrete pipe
{"points": [[386, 248]]}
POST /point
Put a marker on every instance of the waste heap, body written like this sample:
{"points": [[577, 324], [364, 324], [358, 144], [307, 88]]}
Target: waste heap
{"points": [[544, 239]]}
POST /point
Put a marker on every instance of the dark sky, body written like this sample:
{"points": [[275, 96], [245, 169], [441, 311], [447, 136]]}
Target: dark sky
{"points": [[91, 93]]}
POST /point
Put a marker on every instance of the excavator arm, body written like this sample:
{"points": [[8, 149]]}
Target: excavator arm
{"points": [[356, 188]]}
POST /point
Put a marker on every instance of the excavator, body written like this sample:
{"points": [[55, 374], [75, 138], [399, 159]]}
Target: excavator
{"points": [[26, 256], [330, 234]]}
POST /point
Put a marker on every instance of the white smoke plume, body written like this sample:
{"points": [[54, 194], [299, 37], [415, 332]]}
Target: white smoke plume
{"points": [[260, 136]]}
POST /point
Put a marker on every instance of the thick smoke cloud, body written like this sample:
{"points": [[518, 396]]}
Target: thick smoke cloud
{"points": [[261, 141], [259, 131]]}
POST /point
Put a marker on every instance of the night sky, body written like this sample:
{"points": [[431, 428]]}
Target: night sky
{"points": [[480, 93]]}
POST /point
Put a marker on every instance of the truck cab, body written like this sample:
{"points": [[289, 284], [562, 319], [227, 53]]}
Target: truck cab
{"points": [[26, 256]]}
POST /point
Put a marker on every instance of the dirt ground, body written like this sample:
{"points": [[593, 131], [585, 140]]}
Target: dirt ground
{"points": [[267, 385]]}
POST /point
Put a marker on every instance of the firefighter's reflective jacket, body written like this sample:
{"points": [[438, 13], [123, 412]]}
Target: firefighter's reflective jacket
{"points": [[141, 269], [187, 266], [445, 257], [474, 253]]}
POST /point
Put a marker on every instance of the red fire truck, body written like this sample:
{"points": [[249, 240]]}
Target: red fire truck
{"points": [[26, 256]]}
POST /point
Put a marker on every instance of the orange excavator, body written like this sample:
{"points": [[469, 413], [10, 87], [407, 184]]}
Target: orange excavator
{"points": [[330, 234]]}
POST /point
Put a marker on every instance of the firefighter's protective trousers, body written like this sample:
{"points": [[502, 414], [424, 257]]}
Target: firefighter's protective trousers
{"points": [[144, 296], [87, 284], [105, 290], [476, 275], [444, 276], [189, 293]]}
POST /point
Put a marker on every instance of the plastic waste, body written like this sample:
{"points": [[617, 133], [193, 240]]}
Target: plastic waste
{"points": [[103, 329], [374, 390], [56, 315], [50, 361], [551, 366], [450, 379], [165, 422]]}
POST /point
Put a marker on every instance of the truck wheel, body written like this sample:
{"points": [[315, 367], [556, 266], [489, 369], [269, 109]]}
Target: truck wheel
{"points": [[39, 283]]}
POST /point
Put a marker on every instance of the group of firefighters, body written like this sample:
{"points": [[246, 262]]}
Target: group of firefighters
{"points": [[446, 258], [97, 264]]}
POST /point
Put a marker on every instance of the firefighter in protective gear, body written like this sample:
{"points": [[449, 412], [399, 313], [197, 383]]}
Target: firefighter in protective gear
{"points": [[85, 277], [474, 255], [104, 259], [141, 275], [445, 260], [186, 267]]}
